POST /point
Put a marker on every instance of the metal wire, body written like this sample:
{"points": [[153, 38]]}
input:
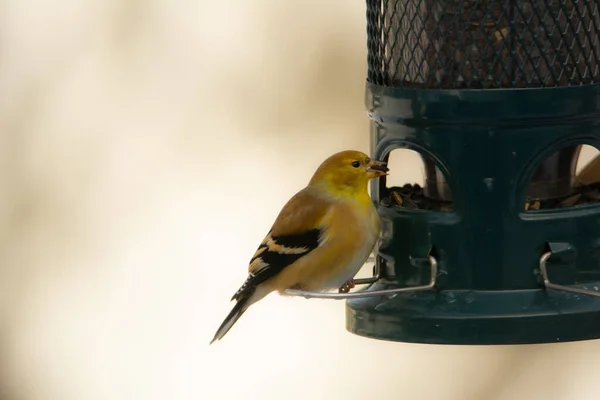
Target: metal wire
{"points": [[374, 293], [483, 44], [376, 272], [550, 285]]}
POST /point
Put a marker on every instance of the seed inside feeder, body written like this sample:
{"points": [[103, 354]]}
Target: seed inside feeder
{"points": [[411, 197], [582, 194], [488, 44]]}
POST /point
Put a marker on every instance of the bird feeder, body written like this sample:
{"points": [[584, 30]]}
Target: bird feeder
{"points": [[501, 245], [497, 97]]}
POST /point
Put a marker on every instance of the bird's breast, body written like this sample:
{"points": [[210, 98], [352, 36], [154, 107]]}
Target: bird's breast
{"points": [[351, 235]]}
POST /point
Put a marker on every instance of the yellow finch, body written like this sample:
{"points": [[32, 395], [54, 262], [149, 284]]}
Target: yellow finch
{"points": [[321, 238]]}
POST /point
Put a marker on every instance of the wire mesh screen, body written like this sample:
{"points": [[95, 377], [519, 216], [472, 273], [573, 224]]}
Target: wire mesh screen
{"points": [[445, 44]]}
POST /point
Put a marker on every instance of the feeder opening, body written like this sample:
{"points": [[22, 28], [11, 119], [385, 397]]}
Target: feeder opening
{"points": [[569, 177], [415, 182]]}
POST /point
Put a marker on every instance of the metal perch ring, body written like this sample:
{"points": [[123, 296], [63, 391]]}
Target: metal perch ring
{"points": [[374, 293]]}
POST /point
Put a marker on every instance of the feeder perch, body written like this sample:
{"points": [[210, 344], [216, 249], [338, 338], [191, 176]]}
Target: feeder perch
{"points": [[497, 98]]}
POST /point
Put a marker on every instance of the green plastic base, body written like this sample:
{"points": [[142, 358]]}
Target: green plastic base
{"points": [[476, 317], [488, 145]]}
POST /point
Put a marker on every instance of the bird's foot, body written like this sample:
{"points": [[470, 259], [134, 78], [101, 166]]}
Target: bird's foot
{"points": [[345, 288]]}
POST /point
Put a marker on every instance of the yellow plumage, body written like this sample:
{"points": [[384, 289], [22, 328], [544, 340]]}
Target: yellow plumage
{"points": [[321, 237]]}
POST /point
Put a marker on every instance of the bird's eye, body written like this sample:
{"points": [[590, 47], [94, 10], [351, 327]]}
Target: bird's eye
{"points": [[355, 164]]}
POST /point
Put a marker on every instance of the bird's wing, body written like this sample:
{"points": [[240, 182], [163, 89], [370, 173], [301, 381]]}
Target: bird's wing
{"points": [[298, 230]]}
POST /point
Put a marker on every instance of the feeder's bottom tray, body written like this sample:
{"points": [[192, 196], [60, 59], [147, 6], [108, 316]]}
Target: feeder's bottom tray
{"points": [[476, 317]]}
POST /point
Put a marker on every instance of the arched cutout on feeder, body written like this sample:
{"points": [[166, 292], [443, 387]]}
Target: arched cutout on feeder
{"points": [[569, 177], [415, 182]]}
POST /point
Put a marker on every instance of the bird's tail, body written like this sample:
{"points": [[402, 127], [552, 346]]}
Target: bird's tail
{"points": [[242, 304]]}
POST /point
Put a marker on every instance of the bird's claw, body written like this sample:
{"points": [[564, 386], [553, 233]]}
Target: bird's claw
{"points": [[345, 288]]}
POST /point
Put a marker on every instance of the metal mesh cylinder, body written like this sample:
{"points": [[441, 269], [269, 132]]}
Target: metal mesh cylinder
{"points": [[489, 44]]}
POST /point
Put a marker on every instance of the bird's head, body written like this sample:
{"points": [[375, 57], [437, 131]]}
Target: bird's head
{"points": [[347, 173]]}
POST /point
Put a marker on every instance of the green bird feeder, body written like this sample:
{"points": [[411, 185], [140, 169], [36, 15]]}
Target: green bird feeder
{"points": [[502, 244]]}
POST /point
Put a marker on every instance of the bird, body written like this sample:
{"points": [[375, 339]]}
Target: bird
{"points": [[321, 238]]}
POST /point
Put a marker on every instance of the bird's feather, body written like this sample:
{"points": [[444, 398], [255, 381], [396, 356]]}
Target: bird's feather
{"points": [[348, 239], [292, 237], [244, 301]]}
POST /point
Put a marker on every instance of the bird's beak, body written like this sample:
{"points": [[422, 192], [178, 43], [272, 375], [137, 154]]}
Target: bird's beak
{"points": [[377, 168]]}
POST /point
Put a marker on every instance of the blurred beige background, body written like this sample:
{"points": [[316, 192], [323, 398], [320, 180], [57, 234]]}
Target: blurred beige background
{"points": [[146, 148]]}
